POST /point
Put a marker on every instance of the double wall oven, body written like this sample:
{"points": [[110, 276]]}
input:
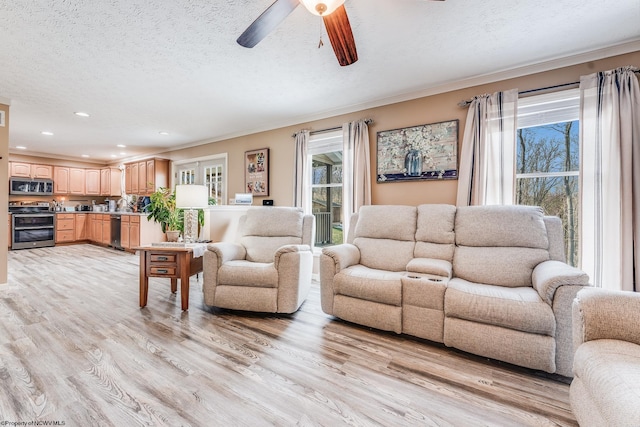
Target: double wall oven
{"points": [[32, 226]]}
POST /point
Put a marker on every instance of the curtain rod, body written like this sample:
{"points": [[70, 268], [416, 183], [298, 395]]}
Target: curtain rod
{"points": [[466, 102], [367, 121]]}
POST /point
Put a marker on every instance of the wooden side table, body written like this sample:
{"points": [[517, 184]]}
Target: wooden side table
{"points": [[173, 262]]}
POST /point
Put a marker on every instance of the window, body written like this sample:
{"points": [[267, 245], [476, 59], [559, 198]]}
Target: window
{"points": [[325, 157], [548, 159], [209, 171]]}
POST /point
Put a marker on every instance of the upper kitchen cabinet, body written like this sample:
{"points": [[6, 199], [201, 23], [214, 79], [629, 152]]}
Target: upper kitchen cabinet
{"points": [[77, 181], [110, 182], [69, 181], [30, 170], [145, 177], [60, 180], [92, 182]]}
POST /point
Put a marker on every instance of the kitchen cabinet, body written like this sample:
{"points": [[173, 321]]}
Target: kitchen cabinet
{"points": [[30, 170], [60, 180], [127, 179], [106, 229], [110, 182], [134, 178], [157, 174], [144, 177], [80, 227], [124, 231], [65, 228], [130, 231], [92, 182], [134, 232], [77, 181], [96, 228]]}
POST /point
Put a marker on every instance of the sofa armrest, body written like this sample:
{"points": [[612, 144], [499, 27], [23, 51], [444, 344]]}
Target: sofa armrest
{"points": [[604, 314], [548, 276], [294, 264], [288, 249], [344, 255], [332, 260], [227, 251]]}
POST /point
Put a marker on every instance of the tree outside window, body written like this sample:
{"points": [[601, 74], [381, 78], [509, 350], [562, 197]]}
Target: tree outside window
{"points": [[548, 175]]}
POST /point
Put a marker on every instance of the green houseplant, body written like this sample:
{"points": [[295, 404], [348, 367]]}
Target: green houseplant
{"points": [[162, 209]]}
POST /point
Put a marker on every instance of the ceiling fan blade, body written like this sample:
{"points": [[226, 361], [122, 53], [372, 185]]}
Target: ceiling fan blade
{"points": [[341, 36], [267, 22]]}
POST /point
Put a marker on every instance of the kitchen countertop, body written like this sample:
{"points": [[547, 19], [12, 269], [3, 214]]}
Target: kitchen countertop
{"points": [[107, 213]]}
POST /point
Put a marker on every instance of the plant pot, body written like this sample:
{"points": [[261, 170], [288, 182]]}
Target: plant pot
{"points": [[173, 235]]}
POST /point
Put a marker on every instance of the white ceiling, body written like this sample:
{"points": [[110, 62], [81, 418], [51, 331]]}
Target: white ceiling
{"points": [[144, 66]]}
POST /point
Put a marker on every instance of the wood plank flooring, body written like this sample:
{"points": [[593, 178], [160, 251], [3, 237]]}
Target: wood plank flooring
{"points": [[76, 348]]}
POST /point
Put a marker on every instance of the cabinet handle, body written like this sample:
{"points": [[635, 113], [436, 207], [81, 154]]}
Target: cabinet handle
{"points": [[164, 270], [162, 258]]}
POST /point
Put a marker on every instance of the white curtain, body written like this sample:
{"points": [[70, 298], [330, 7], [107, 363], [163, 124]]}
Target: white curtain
{"points": [[610, 178], [487, 161], [356, 170], [301, 175]]}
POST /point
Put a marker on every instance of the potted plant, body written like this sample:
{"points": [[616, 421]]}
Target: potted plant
{"points": [[162, 209]]}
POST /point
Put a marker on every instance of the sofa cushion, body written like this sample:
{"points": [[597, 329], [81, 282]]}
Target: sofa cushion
{"points": [[512, 225], [273, 221], [521, 309], [386, 222], [610, 371], [436, 267], [512, 267], [435, 223], [369, 284], [246, 273], [263, 249], [385, 254]]}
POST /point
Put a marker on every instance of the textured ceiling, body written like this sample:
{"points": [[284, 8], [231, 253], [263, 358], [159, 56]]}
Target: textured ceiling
{"points": [[144, 66]]}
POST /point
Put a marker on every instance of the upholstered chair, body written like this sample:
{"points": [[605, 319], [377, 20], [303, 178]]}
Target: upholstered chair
{"points": [[605, 390], [268, 268]]}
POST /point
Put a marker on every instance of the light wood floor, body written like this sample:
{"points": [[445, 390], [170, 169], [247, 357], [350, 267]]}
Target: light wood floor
{"points": [[75, 347]]}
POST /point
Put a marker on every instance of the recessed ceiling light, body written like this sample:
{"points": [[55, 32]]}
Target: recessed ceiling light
{"points": [[46, 132], [21, 147], [122, 153], [163, 132], [121, 146], [81, 114], [85, 155], [114, 156]]}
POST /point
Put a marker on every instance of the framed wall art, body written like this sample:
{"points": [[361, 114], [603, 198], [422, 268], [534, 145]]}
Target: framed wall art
{"points": [[256, 171], [425, 152]]}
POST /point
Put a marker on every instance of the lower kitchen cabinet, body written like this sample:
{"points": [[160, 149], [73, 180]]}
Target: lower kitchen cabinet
{"points": [[96, 228], [65, 228], [81, 227]]}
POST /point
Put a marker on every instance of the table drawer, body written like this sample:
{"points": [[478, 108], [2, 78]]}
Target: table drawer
{"points": [[162, 257], [168, 270]]}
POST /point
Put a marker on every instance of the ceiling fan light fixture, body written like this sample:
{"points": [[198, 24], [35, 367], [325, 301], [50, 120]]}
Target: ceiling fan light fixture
{"points": [[322, 7]]}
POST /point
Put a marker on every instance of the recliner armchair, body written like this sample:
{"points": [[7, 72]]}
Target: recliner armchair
{"points": [[268, 269]]}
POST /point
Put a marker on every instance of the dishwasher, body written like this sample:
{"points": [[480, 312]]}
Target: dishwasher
{"points": [[115, 231]]}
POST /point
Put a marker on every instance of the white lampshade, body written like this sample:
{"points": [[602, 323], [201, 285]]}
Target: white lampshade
{"points": [[322, 7], [192, 196]]}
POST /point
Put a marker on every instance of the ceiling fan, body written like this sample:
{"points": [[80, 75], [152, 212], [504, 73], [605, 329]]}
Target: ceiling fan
{"points": [[332, 12]]}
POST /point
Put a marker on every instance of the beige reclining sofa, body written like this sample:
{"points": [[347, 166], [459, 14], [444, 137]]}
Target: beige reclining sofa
{"points": [[489, 280]]}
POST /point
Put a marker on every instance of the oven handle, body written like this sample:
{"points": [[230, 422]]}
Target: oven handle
{"points": [[35, 227]]}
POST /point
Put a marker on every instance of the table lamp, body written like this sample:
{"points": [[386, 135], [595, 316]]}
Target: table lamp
{"points": [[191, 197]]}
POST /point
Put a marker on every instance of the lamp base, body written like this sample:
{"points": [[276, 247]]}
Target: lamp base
{"points": [[190, 225]]}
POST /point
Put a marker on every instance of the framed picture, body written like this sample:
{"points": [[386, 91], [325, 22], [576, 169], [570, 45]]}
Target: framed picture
{"points": [[256, 172], [425, 152]]}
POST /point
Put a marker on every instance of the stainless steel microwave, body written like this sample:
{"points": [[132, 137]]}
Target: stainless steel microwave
{"points": [[32, 187]]}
